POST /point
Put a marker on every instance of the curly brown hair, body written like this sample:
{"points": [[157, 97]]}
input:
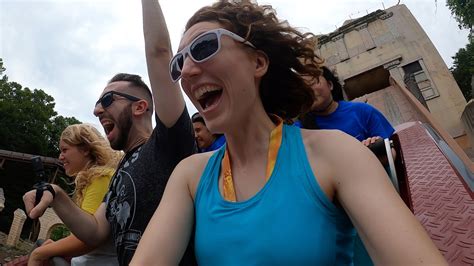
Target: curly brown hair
{"points": [[283, 91], [102, 158]]}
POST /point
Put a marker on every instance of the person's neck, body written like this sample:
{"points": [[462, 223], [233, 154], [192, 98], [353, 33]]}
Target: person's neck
{"points": [[249, 139], [137, 138], [331, 108], [135, 143]]}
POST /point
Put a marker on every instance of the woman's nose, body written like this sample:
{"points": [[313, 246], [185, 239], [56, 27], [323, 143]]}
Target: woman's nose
{"points": [[190, 68]]}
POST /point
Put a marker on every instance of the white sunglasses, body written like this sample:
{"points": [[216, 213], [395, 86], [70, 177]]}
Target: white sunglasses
{"points": [[202, 48]]}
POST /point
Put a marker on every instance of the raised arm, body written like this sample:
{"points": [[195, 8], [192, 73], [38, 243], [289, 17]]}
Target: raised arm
{"points": [[390, 232], [168, 99], [169, 230], [91, 229]]}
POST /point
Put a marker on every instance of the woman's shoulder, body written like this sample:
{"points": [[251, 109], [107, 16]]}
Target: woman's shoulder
{"points": [[198, 160], [99, 174], [328, 143], [104, 172], [332, 153], [192, 168], [322, 136]]}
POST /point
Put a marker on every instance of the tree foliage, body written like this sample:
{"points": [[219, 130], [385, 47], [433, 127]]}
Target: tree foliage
{"points": [[463, 65], [463, 11], [463, 69], [28, 121]]}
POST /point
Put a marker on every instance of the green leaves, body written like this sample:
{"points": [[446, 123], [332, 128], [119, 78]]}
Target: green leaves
{"points": [[28, 121], [56, 127], [463, 11], [463, 69]]}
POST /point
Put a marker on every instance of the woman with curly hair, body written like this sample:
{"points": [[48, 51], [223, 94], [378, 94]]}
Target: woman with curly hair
{"points": [[88, 157], [274, 194]]}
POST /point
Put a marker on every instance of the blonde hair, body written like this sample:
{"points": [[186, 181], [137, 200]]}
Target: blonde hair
{"points": [[102, 158]]}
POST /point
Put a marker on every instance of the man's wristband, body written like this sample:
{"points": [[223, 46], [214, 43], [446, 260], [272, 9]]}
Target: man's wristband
{"points": [[40, 188]]}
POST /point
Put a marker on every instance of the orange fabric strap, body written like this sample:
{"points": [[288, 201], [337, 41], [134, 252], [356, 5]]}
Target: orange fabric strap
{"points": [[274, 146]]}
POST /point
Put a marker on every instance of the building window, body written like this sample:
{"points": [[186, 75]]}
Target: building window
{"points": [[422, 80]]}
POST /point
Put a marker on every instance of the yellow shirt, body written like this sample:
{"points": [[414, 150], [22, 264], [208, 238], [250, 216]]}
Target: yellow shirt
{"points": [[94, 193]]}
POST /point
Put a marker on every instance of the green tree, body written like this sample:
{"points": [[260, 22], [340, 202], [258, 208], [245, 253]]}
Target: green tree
{"points": [[463, 11], [463, 69], [56, 127], [29, 122]]}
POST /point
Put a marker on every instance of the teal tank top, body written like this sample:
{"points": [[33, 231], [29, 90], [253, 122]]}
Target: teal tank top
{"points": [[290, 221]]}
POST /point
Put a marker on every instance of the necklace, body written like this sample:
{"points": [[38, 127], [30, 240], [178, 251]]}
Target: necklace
{"points": [[273, 147]]}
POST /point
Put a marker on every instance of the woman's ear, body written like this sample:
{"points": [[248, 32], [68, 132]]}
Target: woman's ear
{"points": [[262, 62], [84, 150]]}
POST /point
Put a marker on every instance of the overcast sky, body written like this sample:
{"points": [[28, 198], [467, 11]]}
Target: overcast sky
{"points": [[70, 48]]}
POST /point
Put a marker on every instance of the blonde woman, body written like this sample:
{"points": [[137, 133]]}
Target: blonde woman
{"points": [[88, 157]]}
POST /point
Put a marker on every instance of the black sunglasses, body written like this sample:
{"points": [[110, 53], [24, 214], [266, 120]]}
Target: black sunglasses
{"points": [[108, 98], [202, 48]]}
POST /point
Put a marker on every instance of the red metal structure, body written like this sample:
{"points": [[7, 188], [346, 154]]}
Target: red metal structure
{"points": [[438, 193]]}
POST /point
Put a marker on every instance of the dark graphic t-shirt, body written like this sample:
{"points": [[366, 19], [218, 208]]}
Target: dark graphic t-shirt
{"points": [[139, 183]]}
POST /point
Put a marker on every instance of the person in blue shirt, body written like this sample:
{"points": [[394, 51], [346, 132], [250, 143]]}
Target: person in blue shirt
{"points": [[330, 111], [360, 120], [206, 141]]}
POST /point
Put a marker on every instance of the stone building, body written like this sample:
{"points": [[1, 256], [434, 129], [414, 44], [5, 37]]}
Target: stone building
{"points": [[364, 52]]}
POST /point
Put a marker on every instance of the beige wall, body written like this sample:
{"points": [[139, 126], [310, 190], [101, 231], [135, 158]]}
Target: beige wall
{"points": [[393, 39]]}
